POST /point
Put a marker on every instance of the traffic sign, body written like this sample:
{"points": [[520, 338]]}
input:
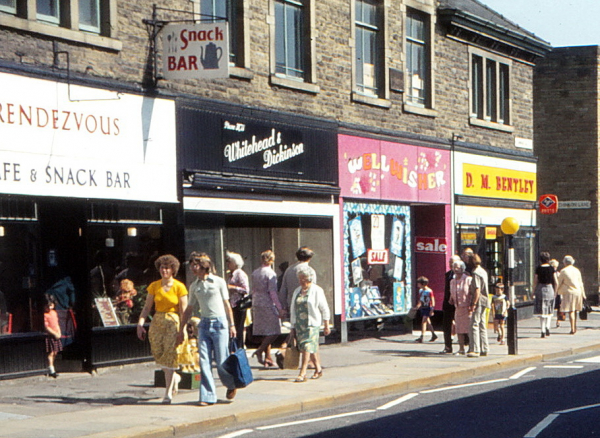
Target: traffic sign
{"points": [[548, 204]]}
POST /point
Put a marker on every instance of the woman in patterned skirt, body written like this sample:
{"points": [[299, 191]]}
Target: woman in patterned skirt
{"points": [[169, 297], [308, 310]]}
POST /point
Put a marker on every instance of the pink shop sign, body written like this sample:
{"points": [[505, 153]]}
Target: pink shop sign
{"points": [[375, 169]]}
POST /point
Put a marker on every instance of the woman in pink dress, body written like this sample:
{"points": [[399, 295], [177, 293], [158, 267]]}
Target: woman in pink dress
{"points": [[266, 308], [459, 297]]}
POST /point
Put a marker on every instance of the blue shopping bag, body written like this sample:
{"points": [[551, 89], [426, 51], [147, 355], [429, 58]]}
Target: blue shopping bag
{"points": [[237, 365]]}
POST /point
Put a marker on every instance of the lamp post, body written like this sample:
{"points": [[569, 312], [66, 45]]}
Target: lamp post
{"points": [[509, 227]]}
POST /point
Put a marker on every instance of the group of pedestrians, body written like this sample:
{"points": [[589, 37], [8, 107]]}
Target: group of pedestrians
{"points": [[467, 301], [223, 319]]}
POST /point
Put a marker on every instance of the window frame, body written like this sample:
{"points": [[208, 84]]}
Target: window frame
{"points": [[9, 9], [239, 43], [490, 72], [95, 29], [26, 19], [306, 83], [381, 98], [51, 19]]}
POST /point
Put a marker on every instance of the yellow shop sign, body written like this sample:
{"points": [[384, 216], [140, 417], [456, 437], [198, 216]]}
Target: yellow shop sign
{"points": [[494, 182]]}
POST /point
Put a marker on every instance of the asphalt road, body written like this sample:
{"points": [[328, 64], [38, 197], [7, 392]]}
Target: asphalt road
{"points": [[546, 400]]}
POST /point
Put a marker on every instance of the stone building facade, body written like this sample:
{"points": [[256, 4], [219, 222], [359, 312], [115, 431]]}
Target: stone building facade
{"points": [[445, 83], [566, 143]]}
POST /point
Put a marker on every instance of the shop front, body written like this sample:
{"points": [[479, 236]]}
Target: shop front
{"points": [[88, 183], [395, 223], [255, 180], [488, 190]]}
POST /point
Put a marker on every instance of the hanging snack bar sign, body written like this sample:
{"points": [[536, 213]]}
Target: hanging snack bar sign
{"points": [[196, 51]]}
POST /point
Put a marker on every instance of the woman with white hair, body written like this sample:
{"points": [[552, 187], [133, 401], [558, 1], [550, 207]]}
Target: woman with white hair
{"points": [[570, 288], [237, 283], [308, 310], [459, 297]]}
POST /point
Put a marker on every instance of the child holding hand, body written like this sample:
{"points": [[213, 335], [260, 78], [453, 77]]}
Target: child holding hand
{"points": [[500, 306]]}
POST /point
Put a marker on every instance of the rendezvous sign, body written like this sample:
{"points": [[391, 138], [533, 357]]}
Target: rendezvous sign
{"points": [[548, 204]]}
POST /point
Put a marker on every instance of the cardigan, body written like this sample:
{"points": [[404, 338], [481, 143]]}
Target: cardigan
{"points": [[318, 310]]}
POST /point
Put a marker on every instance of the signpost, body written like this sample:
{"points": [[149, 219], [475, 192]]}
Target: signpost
{"points": [[548, 204]]}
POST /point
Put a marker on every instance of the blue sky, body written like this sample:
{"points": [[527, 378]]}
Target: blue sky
{"points": [[559, 22]]}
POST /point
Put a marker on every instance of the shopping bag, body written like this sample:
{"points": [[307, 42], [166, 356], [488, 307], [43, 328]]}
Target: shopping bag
{"points": [[291, 360], [237, 365]]}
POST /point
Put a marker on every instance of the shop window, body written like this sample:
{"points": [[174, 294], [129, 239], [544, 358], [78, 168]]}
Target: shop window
{"points": [[250, 241], [293, 49], [94, 23], [377, 260], [122, 266], [490, 90], [233, 10]]}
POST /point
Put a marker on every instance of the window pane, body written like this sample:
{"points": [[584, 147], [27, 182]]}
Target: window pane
{"points": [[477, 86], [9, 6], [490, 89], [504, 95], [416, 58], [367, 60], [289, 47], [48, 10], [226, 9], [89, 15]]}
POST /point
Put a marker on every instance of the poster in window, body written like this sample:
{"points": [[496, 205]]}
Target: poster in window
{"points": [[356, 237], [357, 272], [401, 301], [356, 305], [377, 231], [397, 241], [107, 312], [398, 268]]}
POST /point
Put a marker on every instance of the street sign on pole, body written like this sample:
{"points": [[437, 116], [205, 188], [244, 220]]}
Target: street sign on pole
{"points": [[548, 204]]}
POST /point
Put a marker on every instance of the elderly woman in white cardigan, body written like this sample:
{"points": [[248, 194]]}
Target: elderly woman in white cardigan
{"points": [[308, 310]]}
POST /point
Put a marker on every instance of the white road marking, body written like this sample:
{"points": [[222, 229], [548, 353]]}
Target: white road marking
{"points": [[533, 433], [8, 416], [398, 401], [314, 420], [568, 411], [564, 366], [448, 388], [594, 359], [522, 373], [238, 433]]}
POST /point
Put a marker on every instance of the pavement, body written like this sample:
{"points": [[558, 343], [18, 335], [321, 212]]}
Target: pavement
{"points": [[122, 402]]}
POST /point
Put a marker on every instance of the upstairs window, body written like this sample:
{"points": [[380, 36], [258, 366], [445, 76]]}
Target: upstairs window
{"points": [[89, 15], [289, 40], [490, 89], [9, 6], [417, 58], [233, 11], [368, 58], [48, 11]]}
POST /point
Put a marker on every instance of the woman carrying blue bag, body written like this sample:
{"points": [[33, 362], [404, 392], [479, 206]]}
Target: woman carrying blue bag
{"points": [[216, 326]]}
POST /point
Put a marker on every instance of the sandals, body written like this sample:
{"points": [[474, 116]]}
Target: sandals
{"points": [[317, 375], [300, 379]]}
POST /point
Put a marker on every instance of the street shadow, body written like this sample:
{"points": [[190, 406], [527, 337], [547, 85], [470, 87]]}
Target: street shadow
{"points": [[69, 400]]}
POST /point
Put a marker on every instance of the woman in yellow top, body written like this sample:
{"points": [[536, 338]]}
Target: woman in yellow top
{"points": [[169, 297]]}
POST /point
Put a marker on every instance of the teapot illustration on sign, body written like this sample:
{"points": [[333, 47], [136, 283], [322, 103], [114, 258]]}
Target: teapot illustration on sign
{"points": [[210, 59]]}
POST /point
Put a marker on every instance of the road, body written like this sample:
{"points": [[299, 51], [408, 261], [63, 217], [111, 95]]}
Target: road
{"points": [[546, 400]]}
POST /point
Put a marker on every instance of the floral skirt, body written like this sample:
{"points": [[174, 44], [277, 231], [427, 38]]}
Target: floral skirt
{"points": [[163, 339]]}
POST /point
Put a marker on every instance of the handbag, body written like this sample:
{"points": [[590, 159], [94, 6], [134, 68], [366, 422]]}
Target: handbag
{"points": [[583, 313], [291, 360], [237, 365], [245, 303]]}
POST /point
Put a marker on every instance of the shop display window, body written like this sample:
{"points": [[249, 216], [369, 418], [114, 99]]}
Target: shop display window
{"points": [[250, 241], [377, 260]]}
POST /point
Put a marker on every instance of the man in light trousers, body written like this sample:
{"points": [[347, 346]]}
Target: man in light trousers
{"points": [[480, 302]]}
